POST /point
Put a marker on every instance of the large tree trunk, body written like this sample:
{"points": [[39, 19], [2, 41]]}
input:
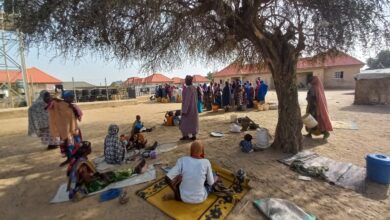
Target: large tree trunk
{"points": [[288, 135]]}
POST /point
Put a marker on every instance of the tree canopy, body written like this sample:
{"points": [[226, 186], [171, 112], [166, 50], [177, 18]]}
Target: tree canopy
{"points": [[166, 32], [382, 60]]}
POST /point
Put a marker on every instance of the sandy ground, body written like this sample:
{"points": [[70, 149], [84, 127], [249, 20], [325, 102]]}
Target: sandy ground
{"points": [[30, 176]]}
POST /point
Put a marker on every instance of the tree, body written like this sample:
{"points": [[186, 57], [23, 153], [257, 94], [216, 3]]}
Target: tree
{"points": [[210, 76], [166, 32], [382, 60]]}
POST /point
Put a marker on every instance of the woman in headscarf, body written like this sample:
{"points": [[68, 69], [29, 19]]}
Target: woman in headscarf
{"points": [[317, 106], [239, 97], [83, 177], [233, 94], [188, 177], [189, 113], [250, 96], [200, 99], [263, 89], [114, 152], [38, 121], [63, 117], [218, 95], [226, 96]]}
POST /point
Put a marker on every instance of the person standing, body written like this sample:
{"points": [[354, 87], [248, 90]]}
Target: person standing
{"points": [[317, 106], [63, 117], [38, 121], [263, 89], [250, 96], [226, 96], [199, 104], [189, 112]]}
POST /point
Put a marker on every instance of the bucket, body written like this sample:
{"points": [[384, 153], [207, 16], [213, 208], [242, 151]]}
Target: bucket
{"points": [[262, 138], [153, 154], [233, 118], [309, 121], [260, 107], [378, 168], [215, 108], [266, 106], [255, 104]]}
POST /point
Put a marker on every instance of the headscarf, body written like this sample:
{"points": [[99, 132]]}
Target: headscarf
{"points": [[38, 117], [113, 150], [197, 150], [324, 123]]}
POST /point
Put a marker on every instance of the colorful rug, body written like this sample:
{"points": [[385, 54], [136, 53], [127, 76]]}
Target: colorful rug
{"points": [[213, 208]]}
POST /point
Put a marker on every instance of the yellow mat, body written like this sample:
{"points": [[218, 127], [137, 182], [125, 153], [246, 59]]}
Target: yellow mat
{"points": [[213, 208]]}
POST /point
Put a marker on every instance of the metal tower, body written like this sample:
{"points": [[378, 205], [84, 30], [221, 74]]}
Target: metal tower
{"points": [[11, 50]]}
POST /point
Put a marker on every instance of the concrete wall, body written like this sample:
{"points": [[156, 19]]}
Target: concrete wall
{"points": [[372, 91], [347, 82]]}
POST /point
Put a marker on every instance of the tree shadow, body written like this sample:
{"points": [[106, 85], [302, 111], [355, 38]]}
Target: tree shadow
{"points": [[376, 191], [378, 109]]}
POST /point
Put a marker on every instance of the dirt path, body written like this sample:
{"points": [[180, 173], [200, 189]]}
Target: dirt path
{"points": [[29, 175]]}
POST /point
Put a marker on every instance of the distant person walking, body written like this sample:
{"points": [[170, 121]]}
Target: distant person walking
{"points": [[318, 108], [38, 121], [226, 96], [189, 112]]}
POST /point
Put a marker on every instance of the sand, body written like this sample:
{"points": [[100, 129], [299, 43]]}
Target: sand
{"points": [[30, 176]]}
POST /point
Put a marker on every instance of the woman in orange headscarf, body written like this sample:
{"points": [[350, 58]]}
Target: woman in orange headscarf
{"points": [[189, 176], [318, 108]]}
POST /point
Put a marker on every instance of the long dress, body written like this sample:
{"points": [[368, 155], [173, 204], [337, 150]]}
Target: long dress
{"points": [[226, 96], [38, 121], [200, 99], [318, 107], [262, 91], [189, 119]]}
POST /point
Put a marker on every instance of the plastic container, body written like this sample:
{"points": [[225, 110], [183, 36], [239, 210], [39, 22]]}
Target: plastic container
{"points": [[309, 121], [215, 108], [378, 168], [153, 154]]}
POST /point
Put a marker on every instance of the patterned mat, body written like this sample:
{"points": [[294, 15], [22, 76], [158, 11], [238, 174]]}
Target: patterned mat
{"points": [[213, 208]]}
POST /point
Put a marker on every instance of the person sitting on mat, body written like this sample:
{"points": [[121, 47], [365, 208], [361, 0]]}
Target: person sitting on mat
{"points": [[114, 151], [191, 178], [83, 177]]}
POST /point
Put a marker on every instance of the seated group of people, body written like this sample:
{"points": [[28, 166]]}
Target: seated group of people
{"points": [[83, 178], [116, 147], [172, 119]]}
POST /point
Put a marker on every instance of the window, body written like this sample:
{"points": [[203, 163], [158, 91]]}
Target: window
{"points": [[339, 75]]}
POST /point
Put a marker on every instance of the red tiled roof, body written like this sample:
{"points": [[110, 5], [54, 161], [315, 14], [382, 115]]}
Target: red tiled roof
{"points": [[177, 80], [326, 62], [157, 78], [303, 63], [199, 79], [237, 69], [34, 75], [132, 80]]}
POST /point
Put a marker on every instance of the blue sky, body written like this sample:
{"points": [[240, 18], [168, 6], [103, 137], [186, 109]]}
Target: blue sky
{"points": [[95, 69]]}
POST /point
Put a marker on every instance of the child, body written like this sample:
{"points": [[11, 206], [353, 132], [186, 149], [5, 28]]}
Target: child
{"points": [[176, 118], [138, 126], [138, 140], [169, 119], [246, 144]]}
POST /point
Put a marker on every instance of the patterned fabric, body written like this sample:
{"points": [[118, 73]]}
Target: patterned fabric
{"points": [[113, 150], [46, 139], [76, 185], [38, 118]]}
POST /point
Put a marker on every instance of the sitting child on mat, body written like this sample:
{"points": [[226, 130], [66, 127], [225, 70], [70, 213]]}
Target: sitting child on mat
{"points": [[246, 144]]}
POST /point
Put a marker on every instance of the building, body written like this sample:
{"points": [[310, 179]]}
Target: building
{"points": [[198, 79], [77, 85], [335, 72], [177, 81], [372, 87], [37, 80]]}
